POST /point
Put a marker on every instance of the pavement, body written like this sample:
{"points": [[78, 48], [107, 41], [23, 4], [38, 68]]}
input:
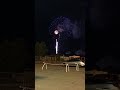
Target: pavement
{"points": [[55, 78]]}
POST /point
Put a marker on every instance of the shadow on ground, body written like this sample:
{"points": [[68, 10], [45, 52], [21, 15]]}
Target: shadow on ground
{"points": [[40, 77]]}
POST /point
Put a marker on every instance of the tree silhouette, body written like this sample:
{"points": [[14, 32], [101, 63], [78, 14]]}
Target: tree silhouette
{"points": [[40, 49]]}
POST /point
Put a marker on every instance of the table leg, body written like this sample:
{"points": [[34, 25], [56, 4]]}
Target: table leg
{"points": [[46, 66], [77, 67], [43, 66], [68, 68]]}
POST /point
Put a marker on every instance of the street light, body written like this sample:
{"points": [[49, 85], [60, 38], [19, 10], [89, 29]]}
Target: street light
{"points": [[56, 32]]}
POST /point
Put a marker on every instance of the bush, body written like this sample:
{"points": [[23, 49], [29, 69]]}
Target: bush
{"points": [[40, 49]]}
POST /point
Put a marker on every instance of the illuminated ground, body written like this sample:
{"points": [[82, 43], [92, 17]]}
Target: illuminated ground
{"points": [[55, 78]]}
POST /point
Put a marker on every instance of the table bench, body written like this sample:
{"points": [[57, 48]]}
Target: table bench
{"points": [[67, 64], [46, 65]]}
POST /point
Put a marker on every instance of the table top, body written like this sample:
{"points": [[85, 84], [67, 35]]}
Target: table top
{"points": [[76, 62]]}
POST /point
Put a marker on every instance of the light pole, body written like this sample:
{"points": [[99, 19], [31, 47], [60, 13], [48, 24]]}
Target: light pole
{"points": [[56, 32]]}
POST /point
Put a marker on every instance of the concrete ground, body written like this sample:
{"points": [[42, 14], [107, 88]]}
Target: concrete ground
{"points": [[100, 87], [55, 78]]}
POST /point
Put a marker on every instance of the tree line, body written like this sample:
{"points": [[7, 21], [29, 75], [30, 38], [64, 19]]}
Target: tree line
{"points": [[40, 49]]}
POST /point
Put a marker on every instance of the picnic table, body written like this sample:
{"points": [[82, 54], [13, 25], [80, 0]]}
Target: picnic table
{"points": [[67, 64]]}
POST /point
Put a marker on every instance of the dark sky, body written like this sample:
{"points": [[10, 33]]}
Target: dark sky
{"points": [[102, 30], [47, 10], [101, 20]]}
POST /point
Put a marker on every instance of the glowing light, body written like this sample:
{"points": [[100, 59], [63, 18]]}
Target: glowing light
{"points": [[56, 32], [56, 46], [62, 24], [63, 27], [82, 63], [67, 29]]}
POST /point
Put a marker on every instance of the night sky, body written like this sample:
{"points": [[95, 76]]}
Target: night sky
{"points": [[100, 17], [46, 11], [102, 31]]}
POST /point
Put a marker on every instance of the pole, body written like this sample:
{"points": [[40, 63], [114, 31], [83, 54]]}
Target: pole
{"points": [[56, 46]]}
